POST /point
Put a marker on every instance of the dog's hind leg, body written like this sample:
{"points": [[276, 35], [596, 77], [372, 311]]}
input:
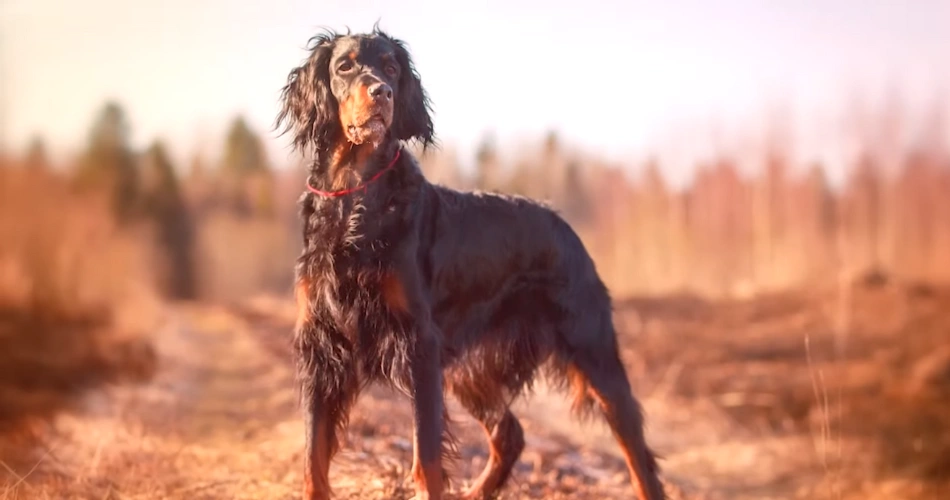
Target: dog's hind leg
{"points": [[588, 357], [505, 444], [485, 401], [601, 377]]}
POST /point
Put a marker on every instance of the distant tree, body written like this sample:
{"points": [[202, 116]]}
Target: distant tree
{"points": [[552, 143], [577, 201], [770, 220], [813, 225], [198, 169], [244, 152], [721, 213], [817, 181], [160, 187], [109, 164], [261, 192], [165, 206], [934, 136], [941, 216], [199, 185], [551, 180], [36, 156], [487, 165], [247, 181], [862, 214], [915, 210], [651, 226], [654, 187]]}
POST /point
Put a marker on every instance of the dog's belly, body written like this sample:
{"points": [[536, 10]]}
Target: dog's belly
{"points": [[521, 302], [491, 362], [502, 336]]}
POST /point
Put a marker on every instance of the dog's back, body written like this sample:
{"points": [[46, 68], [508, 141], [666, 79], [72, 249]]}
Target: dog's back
{"points": [[503, 262]]}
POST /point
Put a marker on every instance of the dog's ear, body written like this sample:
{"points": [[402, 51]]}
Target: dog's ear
{"points": [[308, 109], [412, 118]]}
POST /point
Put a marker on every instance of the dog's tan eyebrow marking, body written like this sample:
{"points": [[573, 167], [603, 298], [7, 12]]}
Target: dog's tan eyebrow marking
{"points": [[352, 55]]}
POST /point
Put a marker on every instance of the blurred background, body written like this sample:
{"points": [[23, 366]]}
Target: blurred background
{"points": [[765, 187]]}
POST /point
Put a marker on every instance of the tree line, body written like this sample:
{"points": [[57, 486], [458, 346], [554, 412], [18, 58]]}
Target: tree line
{"points": [[144, 188], [727, 231]]}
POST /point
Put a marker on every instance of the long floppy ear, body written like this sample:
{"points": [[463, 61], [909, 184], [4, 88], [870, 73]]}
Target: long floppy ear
{"points": [[412, 118], [308, 109]]}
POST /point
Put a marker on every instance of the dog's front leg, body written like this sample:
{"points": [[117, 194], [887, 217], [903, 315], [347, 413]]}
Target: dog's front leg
{"points": [[327, 376], [318, 449], [329, 391], [426, 372], [407, 294]]}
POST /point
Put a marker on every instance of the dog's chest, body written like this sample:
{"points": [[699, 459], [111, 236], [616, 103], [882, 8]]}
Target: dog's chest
{"points": [[351, 251], [360, 228], [352, 248]]}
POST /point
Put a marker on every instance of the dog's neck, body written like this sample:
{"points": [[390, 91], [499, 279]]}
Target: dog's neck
{"points": [[348, 164]]}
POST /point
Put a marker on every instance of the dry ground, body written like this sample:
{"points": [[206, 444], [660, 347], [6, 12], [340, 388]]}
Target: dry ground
{"points": [[763, 399]]}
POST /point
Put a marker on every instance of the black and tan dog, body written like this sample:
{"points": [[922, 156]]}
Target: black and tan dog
{"points": [[431, 289]]}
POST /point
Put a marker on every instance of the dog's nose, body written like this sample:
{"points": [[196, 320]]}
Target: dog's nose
{"points": [[380, 91]]}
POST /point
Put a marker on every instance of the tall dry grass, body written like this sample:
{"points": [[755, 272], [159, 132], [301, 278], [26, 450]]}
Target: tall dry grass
{"points": [[239, 257], [75, 296]]}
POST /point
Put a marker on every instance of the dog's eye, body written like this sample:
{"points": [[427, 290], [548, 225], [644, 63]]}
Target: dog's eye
{"points": [[345, 66], [390, 70]]}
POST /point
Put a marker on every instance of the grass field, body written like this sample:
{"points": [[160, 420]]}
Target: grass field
{"points": [[771, 398]]}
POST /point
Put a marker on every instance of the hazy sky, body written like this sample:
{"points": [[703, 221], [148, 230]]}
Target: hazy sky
{"points": [[621, 77]]}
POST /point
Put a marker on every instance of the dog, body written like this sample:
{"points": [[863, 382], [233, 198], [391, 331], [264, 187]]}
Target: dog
{"points": [[429, 289]]}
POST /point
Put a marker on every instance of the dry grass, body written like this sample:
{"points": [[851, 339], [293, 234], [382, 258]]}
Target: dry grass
{"points": [[738, 407], [75, 301], [241, 256], [872, 404]]}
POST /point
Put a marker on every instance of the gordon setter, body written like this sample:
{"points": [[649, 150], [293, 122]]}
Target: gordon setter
{"points": [[429, 289]]}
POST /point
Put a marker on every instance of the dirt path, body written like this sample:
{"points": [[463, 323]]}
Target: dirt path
{"points": [[220, 420]]}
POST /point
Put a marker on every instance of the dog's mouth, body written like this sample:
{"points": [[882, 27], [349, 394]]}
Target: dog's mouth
{"points": [[371, 124], [373, 119], [370, 129]]}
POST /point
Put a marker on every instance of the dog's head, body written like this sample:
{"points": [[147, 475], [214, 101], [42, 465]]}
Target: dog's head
{"points": [[358, 88]]}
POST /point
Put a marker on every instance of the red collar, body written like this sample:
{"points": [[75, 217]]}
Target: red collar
{"points": [[344, 192]]}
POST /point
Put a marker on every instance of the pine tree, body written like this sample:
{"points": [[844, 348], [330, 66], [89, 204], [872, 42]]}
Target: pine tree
{"points": [[487, 168], [553, 172], [650, 226], [165, 207], [247, 180], [244, 152], [109, 164], [816, 224], [577, 201], [863, 215], [36, 157], [199, 187]]}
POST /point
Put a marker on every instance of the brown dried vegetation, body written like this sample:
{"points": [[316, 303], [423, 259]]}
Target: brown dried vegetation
{"points": [[788, 336]]}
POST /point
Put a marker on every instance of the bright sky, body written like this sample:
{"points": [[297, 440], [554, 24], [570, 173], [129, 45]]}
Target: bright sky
{"points": [[620, 77]]}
